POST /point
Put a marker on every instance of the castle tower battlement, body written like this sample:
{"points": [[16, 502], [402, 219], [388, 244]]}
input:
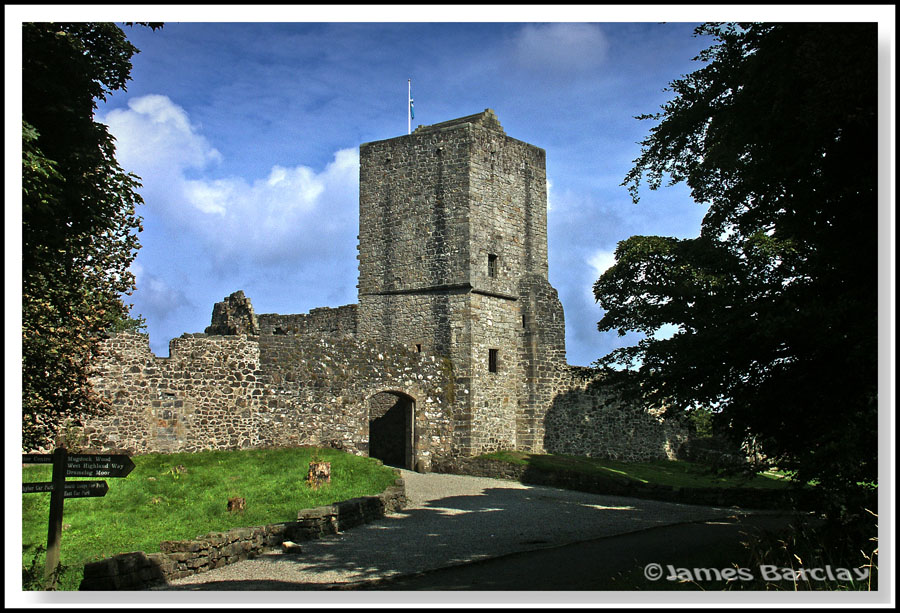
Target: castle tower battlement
{"points": [[453, 226]]}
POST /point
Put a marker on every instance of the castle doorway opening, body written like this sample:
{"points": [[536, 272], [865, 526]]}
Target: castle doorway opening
{"points": [[391, 428]]}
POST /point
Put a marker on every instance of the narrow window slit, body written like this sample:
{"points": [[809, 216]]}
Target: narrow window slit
{"points": [[492, 265]]}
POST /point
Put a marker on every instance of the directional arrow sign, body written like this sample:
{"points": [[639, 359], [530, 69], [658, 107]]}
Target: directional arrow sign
{"points": [[86, 489], [73, 489], [98, 465], [74, 465], [31, 488], [87, 465]]}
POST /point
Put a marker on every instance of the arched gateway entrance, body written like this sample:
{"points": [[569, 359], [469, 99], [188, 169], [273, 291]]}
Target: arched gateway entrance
{"points": [[391, 428]]}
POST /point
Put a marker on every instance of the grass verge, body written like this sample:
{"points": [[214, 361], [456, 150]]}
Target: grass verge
{"points": [[159, 502]]}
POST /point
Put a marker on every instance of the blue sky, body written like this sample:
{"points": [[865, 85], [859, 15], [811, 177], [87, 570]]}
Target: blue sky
{"points": [[246, 136]]}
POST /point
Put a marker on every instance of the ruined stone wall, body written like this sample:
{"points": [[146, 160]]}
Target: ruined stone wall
{"points": [[338, 321], [230, 392], [234, 315], [543, 357], [584, 418], [206, 395]]}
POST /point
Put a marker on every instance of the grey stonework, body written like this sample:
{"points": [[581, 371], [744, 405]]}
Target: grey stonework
{"points": [[233, 316], [456, 322], [452, 218], [228, 392], [340, 321]]}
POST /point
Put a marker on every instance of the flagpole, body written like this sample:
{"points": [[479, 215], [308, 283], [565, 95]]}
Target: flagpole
{"points": [[408, 107]]}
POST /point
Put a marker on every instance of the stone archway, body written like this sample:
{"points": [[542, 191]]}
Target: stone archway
{"points": [[391, 428]]}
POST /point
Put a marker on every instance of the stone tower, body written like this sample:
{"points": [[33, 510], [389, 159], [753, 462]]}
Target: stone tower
{"points": [[453, 260]]}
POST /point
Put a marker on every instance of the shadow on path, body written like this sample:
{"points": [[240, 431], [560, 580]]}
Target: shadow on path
{"points": [[459, 530]]}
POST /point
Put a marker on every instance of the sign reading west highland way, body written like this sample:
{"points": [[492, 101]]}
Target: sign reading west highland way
{"points": [[74, 465], [87, 465]]}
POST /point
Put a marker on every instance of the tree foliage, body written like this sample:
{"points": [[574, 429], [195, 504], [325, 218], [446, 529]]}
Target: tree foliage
{"points": [[79, 221], [775, 302]]}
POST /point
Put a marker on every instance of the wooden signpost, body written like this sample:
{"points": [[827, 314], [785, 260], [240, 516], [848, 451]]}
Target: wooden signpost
{"points": [[71, 465]]}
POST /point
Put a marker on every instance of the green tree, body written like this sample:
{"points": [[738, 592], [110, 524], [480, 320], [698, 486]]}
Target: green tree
{"points": [[775, 302], [79, 223]]}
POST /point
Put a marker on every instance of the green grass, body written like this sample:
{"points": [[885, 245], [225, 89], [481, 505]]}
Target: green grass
{"points": [[154, 503], [676, 473]]}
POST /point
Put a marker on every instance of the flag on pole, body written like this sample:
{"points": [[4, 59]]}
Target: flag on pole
{"points": [[412, 111], [409, 109]]}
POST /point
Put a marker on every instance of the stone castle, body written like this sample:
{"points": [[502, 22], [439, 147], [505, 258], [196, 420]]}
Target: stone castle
{"points": [[455, 348]]}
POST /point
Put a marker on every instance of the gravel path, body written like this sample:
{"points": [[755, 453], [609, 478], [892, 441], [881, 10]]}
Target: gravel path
{"points": [[450, 519]]}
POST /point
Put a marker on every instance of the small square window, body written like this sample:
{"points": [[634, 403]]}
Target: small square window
{"points": [[492, 360], [418, 347], [492, 265]]}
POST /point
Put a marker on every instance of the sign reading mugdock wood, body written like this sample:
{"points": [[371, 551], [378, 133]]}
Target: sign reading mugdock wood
{"points": [[74, 465], [87, 465]]}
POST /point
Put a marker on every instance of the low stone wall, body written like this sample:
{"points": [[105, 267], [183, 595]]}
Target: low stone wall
{"points": [[750, 498], [139, 570]]}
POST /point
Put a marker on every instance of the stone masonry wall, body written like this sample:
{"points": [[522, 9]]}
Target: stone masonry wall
{"points": [[221, 392], [543, 357], [206, 395], [508, 241], [321, 385], [451, 217], [508, 207], [413, 204], [496, 324], [234, 315], [585, 419], [230, 392], [340, 321]]}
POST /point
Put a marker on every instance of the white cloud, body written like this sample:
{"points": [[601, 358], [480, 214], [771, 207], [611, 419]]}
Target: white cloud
{"points": [[209, 197], [549, 195], [601, 260], [292, 210], [154, 136], [560, 49], [207, 235]]}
